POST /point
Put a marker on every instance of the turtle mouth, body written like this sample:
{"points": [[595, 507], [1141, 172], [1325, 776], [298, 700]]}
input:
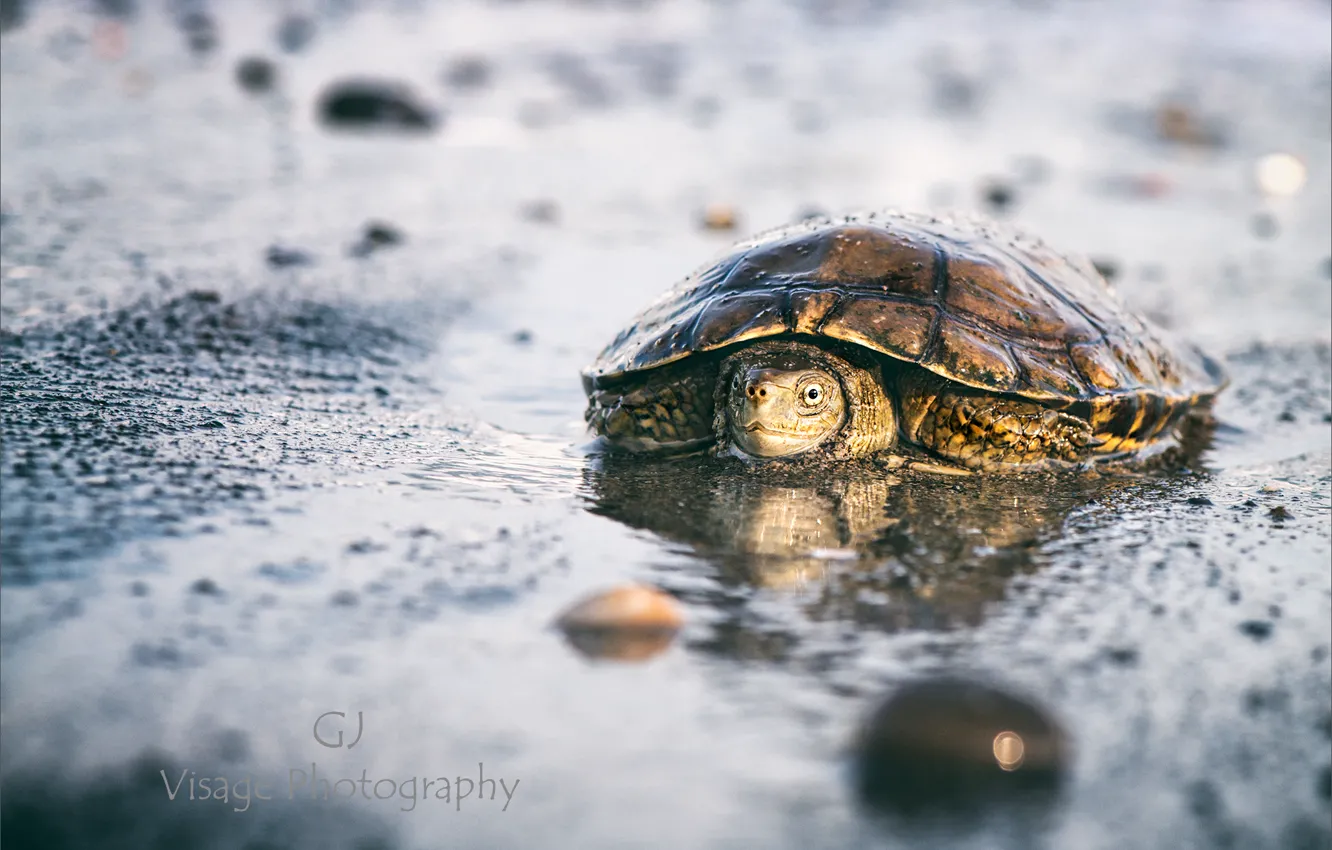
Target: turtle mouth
{"points": [[760, 428]]}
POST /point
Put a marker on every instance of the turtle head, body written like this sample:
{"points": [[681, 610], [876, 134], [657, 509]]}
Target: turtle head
{"points": [[783, 400]]}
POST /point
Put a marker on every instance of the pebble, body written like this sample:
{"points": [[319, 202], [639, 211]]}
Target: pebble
{"points": [[1264, 225], [998, 195], [375, 104], [1177, 123], [720, 217], [542, 211], [294, 33], [953, 742], [200, 31], [280, 257], [468, 73], [626, 623], [1280, 175], [377, 235], [255, 74]]}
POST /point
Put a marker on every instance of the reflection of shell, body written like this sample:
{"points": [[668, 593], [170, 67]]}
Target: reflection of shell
{"points": [[907, 550]]}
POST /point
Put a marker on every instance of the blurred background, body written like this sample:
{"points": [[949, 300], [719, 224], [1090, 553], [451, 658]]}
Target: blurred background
{"points": [[293, 300]]}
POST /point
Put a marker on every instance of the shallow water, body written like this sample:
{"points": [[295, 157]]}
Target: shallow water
{"points": [[237, 497]]}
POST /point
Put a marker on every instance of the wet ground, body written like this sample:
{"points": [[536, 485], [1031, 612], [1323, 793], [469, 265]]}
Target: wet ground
{"points": [[292, 425]]}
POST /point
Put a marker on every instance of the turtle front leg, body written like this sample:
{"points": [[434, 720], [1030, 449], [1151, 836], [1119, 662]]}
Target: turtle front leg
{"points": [[988, 432], [669, 413]]}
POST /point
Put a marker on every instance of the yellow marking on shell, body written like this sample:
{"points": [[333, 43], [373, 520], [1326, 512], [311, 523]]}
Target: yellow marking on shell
{"points": [[809, 309]]}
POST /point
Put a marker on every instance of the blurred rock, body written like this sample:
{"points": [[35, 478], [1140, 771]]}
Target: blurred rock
{"points": [[468, 73], [958, 745], [280, 257], [1264, 225], [998, 195], [377, 235], [294, 33], [719, 217], [201, 34], [544, 211], [626, 623], [572, 73], [374, 104], [1177, 123], [255, 74]]}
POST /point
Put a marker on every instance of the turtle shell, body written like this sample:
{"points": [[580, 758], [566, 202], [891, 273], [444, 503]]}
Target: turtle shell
{"points": [[977, 302]]}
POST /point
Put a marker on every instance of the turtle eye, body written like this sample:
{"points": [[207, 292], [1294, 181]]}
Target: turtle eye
{"points": [[812, 395]]}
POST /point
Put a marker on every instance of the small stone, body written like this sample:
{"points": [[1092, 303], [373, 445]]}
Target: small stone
{"points": [[1177, 123], [1280, 514], [255, 74], [1264, 226], [626, 623], [998, 195], [344, 599], [719, 217], [522, 337], [544, 211], [206, 587], [1200, 501], [377, 235], [294, 33], [1280, 175], [1285, 416], [468, 73], [1123, 656], [280, 257], [200, 31], [1259, 630], [375, 104]]}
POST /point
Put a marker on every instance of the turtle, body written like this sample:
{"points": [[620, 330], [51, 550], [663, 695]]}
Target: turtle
{"points": [[969, 341]]}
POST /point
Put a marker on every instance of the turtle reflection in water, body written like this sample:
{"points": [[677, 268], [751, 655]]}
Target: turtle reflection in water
{"points": [[898, 550], [857, 337]]}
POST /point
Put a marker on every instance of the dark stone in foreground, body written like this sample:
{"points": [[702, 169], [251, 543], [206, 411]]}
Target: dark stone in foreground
{"points": [[954, 746], [375, 104], [255, 74]]}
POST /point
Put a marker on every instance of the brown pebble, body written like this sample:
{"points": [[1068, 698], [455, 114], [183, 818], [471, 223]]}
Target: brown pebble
{"points": [[720, 217], [627, 623], [1177, 123]]}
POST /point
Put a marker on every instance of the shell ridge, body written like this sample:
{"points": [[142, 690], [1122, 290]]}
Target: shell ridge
{"points": [[1061, 297]]}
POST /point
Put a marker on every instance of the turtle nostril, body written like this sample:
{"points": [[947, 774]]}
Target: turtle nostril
{"points": [[763, 392]]}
